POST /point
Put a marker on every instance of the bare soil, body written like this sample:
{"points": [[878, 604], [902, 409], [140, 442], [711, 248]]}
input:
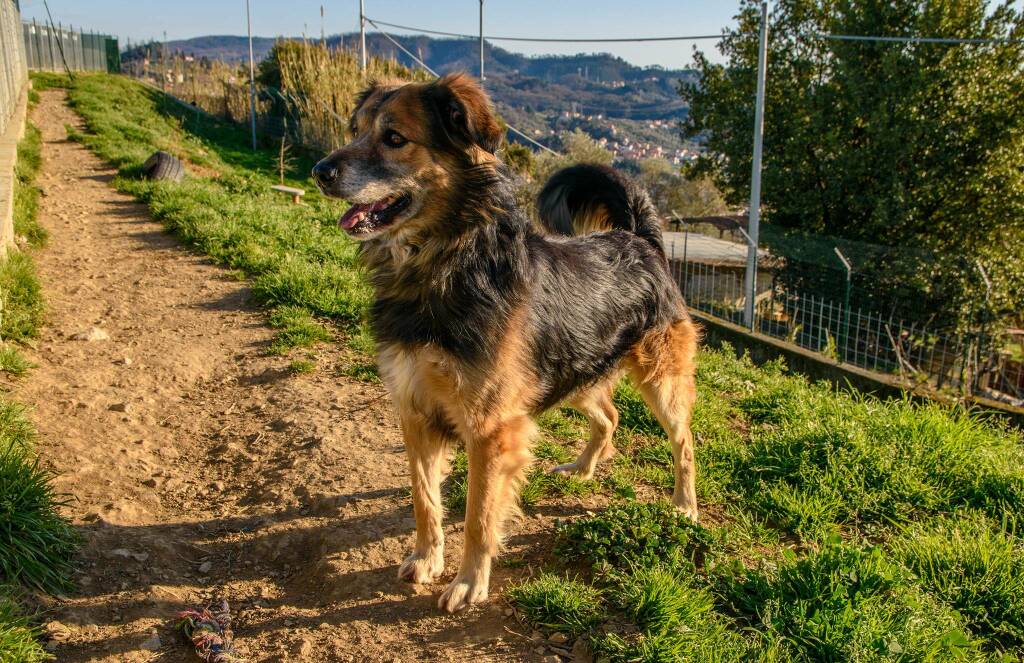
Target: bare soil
{"points": [[200, 468]]}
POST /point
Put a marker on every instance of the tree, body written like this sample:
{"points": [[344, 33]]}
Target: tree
{"points": [[903, 144], [673, 194]]}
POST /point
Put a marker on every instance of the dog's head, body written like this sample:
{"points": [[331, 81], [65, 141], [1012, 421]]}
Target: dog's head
{"points": [[410, 144]]}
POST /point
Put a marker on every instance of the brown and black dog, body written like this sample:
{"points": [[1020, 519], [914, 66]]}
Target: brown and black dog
{"points": [[484, 320]]}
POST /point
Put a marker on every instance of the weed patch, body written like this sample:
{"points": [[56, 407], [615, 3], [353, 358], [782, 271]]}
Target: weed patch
{"points": [[634, 534]]}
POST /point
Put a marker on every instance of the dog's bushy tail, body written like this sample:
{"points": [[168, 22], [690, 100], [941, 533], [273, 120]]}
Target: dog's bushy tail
{"points": [[590, 198]]}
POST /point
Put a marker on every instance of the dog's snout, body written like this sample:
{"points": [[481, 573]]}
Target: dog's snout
{"points": [[325, 172]]}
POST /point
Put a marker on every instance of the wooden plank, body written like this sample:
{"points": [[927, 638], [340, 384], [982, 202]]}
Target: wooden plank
{"points": [[288, 189]]}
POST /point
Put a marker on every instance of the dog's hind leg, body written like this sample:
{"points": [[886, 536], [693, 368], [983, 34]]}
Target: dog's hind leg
{"points": [[425, 445], [497, 462], [596, 404], [663, 367]]}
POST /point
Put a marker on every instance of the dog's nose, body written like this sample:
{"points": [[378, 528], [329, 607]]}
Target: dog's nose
{"points": [[325, 172]]}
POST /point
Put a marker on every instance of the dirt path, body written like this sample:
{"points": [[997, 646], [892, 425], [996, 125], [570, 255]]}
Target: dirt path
{"points": [[201, 468]]}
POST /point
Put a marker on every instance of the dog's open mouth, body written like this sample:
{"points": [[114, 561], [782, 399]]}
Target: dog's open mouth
{"points": [[370, 217]]}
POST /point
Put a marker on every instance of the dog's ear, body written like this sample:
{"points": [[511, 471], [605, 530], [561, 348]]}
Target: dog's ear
{"points": [[377, 89], [361, 99], [465, 112]]}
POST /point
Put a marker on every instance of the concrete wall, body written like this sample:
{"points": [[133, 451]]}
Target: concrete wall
{"points": [[13, 97], [8, 155], [819, 367], [13, 65]]}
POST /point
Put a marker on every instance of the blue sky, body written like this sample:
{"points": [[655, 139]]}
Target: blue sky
{"points": [[145, 19]]}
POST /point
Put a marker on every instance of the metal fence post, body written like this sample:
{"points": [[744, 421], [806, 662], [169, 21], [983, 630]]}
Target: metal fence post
{"points": [[846, 299], [755, 178], [252, 76], [362, 36]]}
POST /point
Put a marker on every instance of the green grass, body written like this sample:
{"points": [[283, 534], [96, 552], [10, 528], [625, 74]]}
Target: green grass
{"points": [[558, 604], [974, 566], [842, 528], [539, 485], [301, 366], [12, 361], [844, 604], [26, 194], [19, 642], [21, 298], [676, 621], [296, 328], [36, 544]]}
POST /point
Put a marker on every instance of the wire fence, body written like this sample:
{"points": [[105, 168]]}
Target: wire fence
{"points": [[972, 362], [13, 71], [56, 48]]}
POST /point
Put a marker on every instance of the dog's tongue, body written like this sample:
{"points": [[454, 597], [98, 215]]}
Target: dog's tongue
{"points": [[353, 215]]}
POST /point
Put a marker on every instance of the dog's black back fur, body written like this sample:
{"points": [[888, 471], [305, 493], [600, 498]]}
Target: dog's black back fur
{"points": [[588, 299]]}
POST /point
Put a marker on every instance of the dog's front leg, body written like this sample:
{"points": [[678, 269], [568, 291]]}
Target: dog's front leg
{"points": [[496, 468], [425, 448]]}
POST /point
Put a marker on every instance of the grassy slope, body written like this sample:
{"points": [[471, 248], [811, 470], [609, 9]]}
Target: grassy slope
{"points": [[36, 544], [842, 528], [300, 263]]}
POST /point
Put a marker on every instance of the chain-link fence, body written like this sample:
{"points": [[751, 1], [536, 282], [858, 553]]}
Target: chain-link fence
{"points": [[50, 48], [13, 71]]}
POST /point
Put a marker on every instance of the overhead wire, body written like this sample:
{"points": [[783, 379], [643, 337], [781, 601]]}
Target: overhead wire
{"points": [[435, 74], [563, 40]]}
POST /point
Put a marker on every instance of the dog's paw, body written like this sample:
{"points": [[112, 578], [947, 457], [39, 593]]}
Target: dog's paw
{"points": [[572, 469], [462, 593], [421, 569], [687, 509]]}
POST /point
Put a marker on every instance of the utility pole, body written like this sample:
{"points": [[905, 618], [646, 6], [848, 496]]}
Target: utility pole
{"points": [[755, 176], [323, 37], [252, 76], [362, 36], [481, 40]]}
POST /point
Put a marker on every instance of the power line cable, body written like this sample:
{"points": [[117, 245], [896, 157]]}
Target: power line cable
{"points": [[435, 74], [922, 40], [584, 40]]}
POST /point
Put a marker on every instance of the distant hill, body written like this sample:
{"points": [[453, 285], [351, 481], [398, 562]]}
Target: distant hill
{"points": [[589, 84], [228, 48]]}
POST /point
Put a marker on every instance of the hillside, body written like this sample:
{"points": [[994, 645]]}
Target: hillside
{"points": [[586, 83]]}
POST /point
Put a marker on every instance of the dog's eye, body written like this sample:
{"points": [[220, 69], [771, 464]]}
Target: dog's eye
{"points": [[394, 139]]}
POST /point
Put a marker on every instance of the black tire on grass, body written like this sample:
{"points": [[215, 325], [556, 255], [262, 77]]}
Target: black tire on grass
{"points": [[163, 166]]}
